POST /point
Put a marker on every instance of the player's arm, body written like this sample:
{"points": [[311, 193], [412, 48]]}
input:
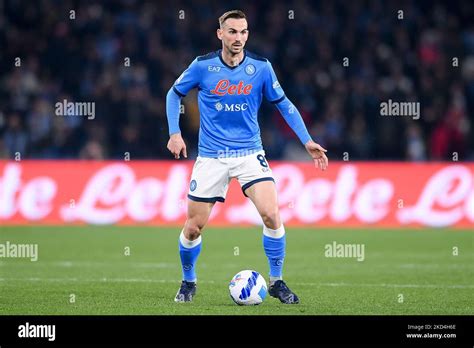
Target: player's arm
{"points": [[187, 81], [176, 143], [292, 116], [274, 93]]}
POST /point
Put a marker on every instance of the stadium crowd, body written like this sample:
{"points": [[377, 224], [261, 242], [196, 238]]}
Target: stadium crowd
{"points": [[124, 56]]}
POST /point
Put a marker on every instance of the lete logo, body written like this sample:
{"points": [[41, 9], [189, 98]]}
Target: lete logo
{"points": [[224, 87], [58, 192]]}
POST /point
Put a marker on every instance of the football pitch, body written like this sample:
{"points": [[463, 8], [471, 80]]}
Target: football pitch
{"points": [[136, 270]]}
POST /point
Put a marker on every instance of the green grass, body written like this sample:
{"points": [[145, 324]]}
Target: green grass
{"points": [[89, 262]]}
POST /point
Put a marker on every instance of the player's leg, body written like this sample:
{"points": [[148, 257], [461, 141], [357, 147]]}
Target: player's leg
{"points": [[190, 237], [258, 185], [190, 247], [263, 195], [209, 183]]}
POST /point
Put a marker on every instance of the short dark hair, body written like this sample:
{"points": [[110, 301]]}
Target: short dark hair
{"points": [[231, 14]]}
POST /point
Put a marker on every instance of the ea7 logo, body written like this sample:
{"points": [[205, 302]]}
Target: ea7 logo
{"points": [[37, 331], [213, 68]]}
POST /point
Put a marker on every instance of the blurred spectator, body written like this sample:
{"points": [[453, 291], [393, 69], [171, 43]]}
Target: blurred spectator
{"points": [[3, 150], [358, 146], [130, 144], [415, 148], [15, 137], [93, 150]]}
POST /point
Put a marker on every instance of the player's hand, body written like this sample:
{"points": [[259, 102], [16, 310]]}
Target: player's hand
{"points": [[317, 152], [176, 145]]}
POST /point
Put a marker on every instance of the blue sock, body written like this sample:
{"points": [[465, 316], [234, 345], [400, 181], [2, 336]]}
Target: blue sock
{"points": [[189, 252], [274, 243]]}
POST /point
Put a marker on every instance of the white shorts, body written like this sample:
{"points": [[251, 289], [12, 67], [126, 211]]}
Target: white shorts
{"points": [[211, 176]]}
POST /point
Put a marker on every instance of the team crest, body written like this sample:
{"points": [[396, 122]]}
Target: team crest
{"points": [[250, 69]]}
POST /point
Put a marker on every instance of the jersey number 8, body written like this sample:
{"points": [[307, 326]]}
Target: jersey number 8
{"points": [[262, 160]]}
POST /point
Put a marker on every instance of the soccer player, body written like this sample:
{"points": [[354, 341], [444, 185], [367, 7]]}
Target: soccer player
{"points": [[231, 83]]}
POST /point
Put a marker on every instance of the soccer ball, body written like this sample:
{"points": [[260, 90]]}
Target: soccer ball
{"points": [[248, 288]]}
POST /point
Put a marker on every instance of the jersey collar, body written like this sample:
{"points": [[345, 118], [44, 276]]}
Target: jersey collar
{"points": [[219, 53]]}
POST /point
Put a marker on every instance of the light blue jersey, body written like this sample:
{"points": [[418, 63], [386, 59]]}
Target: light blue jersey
{"points": [[229, 99]]}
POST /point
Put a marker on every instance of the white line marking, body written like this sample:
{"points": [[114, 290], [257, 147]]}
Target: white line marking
{"points": [[176, 281], [111, 263], [385, 285]]}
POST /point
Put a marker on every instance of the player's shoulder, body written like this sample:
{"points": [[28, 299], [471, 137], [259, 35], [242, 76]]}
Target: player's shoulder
{"points": [[256, 57], [257, 60], [208, 56]]}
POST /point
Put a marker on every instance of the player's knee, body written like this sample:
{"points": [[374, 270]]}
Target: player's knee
{"points": [[193, 229], [271, 217]]}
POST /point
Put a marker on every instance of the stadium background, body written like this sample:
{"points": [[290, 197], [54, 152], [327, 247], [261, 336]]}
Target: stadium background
{"points": [[82, 59], [413, 176]]}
